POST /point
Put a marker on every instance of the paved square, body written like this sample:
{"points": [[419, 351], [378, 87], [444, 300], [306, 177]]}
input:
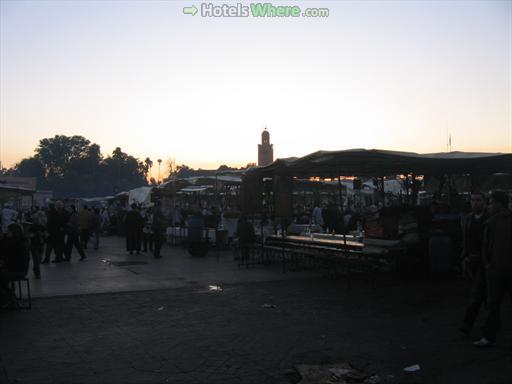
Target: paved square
{"points": [[95, 322]]}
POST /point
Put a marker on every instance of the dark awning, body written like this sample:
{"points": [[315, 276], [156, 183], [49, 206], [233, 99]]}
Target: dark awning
{"points": [[376, 162]]}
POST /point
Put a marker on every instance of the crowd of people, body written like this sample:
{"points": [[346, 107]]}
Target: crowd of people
{"points": [[56, 229], [60, 230], [486, 241]]}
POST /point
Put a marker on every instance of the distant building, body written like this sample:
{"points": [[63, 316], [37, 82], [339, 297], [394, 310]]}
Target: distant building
{"points": [[22, 192], [22, 182], [18, 190], [265, 150]]}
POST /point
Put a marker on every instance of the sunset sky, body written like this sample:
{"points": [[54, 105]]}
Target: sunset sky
{"points": [[156, 82]]}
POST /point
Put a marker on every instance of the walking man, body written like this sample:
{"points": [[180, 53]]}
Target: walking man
{"points": [[57, 220], [72, 229]]}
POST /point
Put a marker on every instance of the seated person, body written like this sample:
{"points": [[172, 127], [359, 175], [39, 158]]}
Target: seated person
{"points": [[14, 263]]}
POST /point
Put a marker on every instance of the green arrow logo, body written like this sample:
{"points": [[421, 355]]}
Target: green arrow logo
{"points": [[190, 10]]}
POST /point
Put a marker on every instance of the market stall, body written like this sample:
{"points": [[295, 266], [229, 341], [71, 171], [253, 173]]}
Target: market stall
{"points": [[408, 224]]}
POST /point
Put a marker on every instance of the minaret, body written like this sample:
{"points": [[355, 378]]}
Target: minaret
{"points": [[265, 149]]}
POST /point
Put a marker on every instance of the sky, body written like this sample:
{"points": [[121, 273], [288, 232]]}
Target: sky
{"points": [[144, 76]]}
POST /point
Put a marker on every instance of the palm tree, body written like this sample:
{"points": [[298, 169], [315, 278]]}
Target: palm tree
{"points": [[148, 165], [159, 163]]}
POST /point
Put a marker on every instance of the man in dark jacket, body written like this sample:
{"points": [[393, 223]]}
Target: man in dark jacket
{"points": [[331, 217], [472, 263], [246, 237], [57, 220], [497, 257]]}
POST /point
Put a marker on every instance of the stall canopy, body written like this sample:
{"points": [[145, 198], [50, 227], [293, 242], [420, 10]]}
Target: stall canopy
{"points": [[376, 162], [213, 179]]}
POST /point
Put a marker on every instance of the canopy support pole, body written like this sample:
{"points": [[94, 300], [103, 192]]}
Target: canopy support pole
{"points": [[382, 191], [340, 192]]}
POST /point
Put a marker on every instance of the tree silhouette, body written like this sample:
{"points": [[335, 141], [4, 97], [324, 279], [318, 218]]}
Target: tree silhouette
{"points": [[57, 153], [72, 166]]}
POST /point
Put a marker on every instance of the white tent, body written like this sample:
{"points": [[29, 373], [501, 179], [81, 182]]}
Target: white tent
{"points": [[141, 195]]}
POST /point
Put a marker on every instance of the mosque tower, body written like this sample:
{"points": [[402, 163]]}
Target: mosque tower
{"points": [[265, 149]]}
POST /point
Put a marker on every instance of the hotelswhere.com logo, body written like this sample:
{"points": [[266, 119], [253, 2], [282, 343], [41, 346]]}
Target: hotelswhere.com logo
{"points": [[253, 10]]}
